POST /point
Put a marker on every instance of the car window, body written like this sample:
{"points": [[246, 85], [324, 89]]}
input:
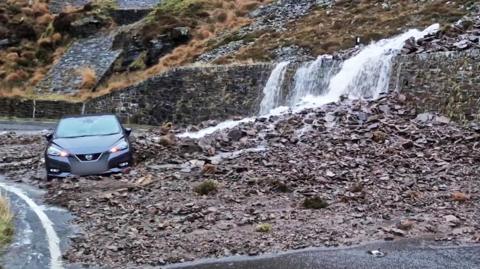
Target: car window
{"points": [[88, 126]]}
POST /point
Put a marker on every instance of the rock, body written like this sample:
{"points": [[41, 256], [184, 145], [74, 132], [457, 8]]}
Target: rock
{"points": [[379, 136], [167, 140], [209, 169], [236, 134], [452, 220], [405, 225], [86, 26], [460, 196], [397, 232], [180, 34]]}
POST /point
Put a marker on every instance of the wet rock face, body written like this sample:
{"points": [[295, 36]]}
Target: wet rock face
{"points": [[146, 51]]}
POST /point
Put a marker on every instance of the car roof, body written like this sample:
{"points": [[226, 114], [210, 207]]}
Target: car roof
{"points": [[87, 115]]}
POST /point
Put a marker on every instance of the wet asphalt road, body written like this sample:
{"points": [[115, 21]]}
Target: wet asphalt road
{"points": [[25, 126], [411, 254], [30, 248]]}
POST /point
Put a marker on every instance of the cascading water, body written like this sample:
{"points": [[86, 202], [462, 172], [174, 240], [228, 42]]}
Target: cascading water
{"points": [[365, 75], [313, 78], [273, 89]]}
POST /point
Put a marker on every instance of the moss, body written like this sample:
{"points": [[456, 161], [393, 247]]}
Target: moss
{"points": [[315, 203], [139, 63], [263, 228], [206, 187]]}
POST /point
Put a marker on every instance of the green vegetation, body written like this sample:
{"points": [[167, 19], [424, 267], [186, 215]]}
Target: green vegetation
{"points": [[206, 187], [6, 222], [263, 228], [315, 203], [176, 7]]}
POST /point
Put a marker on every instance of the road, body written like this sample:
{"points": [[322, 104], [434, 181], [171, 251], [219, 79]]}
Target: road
{"points": [[41, 232], [25, 126], [411, 254]]}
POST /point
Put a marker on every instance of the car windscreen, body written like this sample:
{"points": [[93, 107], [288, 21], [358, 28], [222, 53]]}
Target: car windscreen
{"points": [[87, 126]]}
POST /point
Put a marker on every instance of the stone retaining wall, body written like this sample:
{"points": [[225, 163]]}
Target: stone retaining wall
{"points": [[183, 95], [45, 109], [445, 82], [189, 95]]}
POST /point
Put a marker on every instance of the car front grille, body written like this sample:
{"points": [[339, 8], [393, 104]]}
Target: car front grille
{"points": [[88, 157]]}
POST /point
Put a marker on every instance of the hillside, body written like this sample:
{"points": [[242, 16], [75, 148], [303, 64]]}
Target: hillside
{"points": [[188, 32]]}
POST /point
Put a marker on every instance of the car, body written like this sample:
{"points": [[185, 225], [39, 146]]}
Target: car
{"points": [[88, 145]]}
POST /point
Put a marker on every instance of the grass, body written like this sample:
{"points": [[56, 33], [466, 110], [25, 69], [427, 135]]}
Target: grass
{"points": [[6, 222], [326, 30], [206, 19], [263, 228], [89, 78], [315, 203], [213, 23], [206, 187]]}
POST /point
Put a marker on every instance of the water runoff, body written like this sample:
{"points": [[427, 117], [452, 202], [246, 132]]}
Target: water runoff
{"points": [[325, 80]]}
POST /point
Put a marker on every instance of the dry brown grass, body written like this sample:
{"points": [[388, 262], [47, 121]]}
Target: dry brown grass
{"points": [[6, 221], [12, 56], [89, 78], [45, 19], [37, 77], [70, 9], [208, 18], [40, 8]]}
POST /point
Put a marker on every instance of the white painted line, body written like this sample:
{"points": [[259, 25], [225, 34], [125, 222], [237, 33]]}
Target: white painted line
{"points": [[52, 237]]}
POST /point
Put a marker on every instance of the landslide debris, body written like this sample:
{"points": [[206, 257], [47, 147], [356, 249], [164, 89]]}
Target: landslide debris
{"points": [[323, 177]]}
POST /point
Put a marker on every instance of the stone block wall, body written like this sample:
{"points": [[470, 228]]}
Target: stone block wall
{"points": [[445, 82], [38, 109], [189, 95]]}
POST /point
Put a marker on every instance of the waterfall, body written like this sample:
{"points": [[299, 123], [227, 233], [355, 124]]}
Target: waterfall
{"points": [[273, 89], [313, 78], [364, 75], [271, 99]]}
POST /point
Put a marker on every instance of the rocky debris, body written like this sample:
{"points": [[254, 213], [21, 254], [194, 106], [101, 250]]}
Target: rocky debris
{"points": [[395, 185], [292, 53], [463, 35], [270, 17]]}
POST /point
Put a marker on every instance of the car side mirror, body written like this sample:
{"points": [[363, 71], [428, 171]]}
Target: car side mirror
{"points": [[128, 131], [49, 136]]}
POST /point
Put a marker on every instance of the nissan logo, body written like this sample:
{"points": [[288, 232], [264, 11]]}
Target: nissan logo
{"points": [[88, 157]]}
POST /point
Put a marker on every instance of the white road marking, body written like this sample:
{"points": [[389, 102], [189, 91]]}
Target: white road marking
{"points": [[52, 237]]}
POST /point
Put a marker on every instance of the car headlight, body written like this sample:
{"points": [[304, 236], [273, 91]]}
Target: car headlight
{"points": [[56, 151], [122, 145]]}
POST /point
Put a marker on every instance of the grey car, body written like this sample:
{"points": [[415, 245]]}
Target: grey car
{"points": [[88, 145]]}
